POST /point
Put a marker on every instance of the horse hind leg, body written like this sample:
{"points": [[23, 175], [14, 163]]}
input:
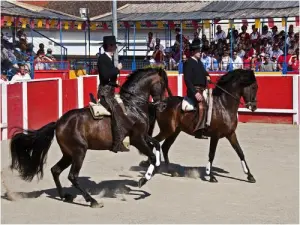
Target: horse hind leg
{"points": [[236, 146], [211, 156], [73, 177], [56, 170]]}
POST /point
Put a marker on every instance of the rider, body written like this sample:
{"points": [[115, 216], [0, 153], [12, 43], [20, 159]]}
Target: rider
{"points": [[195, 77], [106, 91]]}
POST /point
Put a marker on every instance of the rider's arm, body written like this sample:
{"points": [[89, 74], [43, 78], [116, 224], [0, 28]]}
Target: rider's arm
{"points": [[106, 70]]}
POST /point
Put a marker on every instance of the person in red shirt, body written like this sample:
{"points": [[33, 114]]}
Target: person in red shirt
{"points": [[253, 50], [281, 58], [158, 55], [294, 61], [244, 35], [247, 61]]}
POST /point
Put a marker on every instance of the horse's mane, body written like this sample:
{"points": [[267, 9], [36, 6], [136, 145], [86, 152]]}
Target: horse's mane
{"points": [[245, 78]]}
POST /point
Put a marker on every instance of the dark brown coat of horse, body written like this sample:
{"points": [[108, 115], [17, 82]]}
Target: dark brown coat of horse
{"points": [[171, 121], [77, 131]]}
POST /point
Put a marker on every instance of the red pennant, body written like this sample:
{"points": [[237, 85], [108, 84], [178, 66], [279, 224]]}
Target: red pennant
{"points": [[171, 24], [32, 23], [17, 20], [126, 25], [148, 24], [2, 21], [216, 21], [297, 21], [270, 22], [47, 25], [245, 22], [195, 24], [105, 27], [83, 26], [58, 24], [72, 25]]}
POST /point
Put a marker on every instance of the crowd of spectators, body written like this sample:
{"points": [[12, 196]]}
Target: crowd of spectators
{"points": [[265, 51]]}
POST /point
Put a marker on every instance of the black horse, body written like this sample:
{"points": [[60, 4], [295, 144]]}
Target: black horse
{"points": [[77, 131], [226, 99]]}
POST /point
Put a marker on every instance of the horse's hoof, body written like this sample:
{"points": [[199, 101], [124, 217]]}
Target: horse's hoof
{"points": [[175, 174], [142, 182], [144, 164], [95, 204], [213, 179], [68, 198], [251, 179]]}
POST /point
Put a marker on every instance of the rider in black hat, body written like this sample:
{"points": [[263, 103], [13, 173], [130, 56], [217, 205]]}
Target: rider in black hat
{"points": [[195, 77], [106, 92]]}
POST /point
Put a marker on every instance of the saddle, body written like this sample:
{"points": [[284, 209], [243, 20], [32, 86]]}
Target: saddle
{"points": [[188, 104]]}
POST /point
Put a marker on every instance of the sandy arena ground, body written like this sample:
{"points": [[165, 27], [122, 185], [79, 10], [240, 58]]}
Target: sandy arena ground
{"points": [[272, 152]]}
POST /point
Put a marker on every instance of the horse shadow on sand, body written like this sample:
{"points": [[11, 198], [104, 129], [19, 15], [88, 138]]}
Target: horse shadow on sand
{"points": [[177, 170], [104, 189]]}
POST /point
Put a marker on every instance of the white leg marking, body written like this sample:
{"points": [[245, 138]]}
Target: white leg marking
{"points": [[157, 154], [208, 168], [244, 167], [149, 172]]}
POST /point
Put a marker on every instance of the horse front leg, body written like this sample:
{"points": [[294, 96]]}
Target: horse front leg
{"points": [[235, 144], [212, 151]]}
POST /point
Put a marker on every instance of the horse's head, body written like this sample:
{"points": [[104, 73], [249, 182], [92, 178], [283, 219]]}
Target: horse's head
{"points": [[249, 89]]}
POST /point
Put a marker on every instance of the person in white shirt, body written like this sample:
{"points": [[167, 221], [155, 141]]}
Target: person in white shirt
{"points": [[21, 75], [150, 44], [220, 34], [266, 33], [237, 61], [206, 60]]}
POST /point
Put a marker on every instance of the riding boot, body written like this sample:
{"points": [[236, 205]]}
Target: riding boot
{"points": [[117, 136], [200, 126]]}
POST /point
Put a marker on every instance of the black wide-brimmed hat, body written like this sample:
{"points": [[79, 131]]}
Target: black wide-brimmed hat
{"points": [[194, 47], [110, 40]]}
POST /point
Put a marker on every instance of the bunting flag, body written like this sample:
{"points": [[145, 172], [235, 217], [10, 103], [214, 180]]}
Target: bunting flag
{"points": [[195, 24], [283, 22], [257, 23], [105, 27], [52, 23], [17, 20], [32, 23], [72, 25], [245, 22], [160, 25], [171, 24], [83, 25], [216, 21], [138, 25], [230, 23], [297, 21], [126, 25], [2, 21], [148, 23], [58, 25], [66, 25], [93, 26], [24, 23], [79, 26], [9, 21], [271, 22], [183, 25], [40, 23], [206, 23], [47, 23]]}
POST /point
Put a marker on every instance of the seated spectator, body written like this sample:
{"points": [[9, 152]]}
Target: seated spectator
{"points": [[41, 49], [276, 51], [253, 50], [224, 64], [265, 33], [274, 32], [170, 62], [161, 47], [277, 40], [205, 46], [265, 47], [244, 36], [215, 61], [220, 34], [236, 61], [21, 75], [204, 38], [150, 44], [296, 38], [158, 55], [49, 54], [196, 40], [206, 60], [254, 36], [267, 65], [240, 51], [290, 38], [247, 61], [294, 61], [254, 62]]}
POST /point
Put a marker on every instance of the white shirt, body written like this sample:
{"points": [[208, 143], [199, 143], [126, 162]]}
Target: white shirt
{"points": [[108, 55], [237, 63], [18, 77], [220, 35]]}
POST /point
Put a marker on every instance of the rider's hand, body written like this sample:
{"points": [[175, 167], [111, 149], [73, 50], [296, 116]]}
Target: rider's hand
{"points": [[198, 97], [119, 66]]}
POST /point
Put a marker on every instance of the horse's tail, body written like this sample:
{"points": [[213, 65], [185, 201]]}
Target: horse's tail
{"points": [[152, 119], [164, 75], [29, 151]]}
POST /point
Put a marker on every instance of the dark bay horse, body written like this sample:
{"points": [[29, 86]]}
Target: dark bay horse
{"points": [[77, 131], [226, 99]]}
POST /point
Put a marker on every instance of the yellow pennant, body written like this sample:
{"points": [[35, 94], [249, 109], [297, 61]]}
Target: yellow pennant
{"points": [[118, 24], [206, 23], [283, 22], [9, 21], [79, 26], [160, 25], [257, 23], [138, 25], [52, 23], [230, 23], [183, 25], [93, 26], [40, 23], [24, 23], [66, 25]]}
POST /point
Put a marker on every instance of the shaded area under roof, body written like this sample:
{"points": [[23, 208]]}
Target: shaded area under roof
{"points": [[204, 10], [9, 8]]}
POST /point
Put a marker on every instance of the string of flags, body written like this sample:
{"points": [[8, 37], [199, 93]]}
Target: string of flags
{"points": [[8, 21]]}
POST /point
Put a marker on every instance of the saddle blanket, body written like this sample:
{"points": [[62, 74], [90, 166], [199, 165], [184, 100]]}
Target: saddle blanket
{"points": [[188, 104]]}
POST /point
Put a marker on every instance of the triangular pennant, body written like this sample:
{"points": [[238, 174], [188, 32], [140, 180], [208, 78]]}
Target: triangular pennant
{"points": [[79, 26], [206, 23], [195, 24], [216, 21], [160, 24], [283, 22], [40, 23], [58, 25], [32, 23], [93, 26], [183, 25], [171, 24], [126, 24], [24, 23], [17, 20], [47, 23], [105, 26], [52, 23], [297, 21], [245, 22], [270, 22], [257, 23], [148, 23], [72, 25], [9, 21], [138, 25], [66, 25], [83, 25]]}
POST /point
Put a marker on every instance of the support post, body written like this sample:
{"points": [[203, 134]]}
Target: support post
{"points": [[115, 28]]}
